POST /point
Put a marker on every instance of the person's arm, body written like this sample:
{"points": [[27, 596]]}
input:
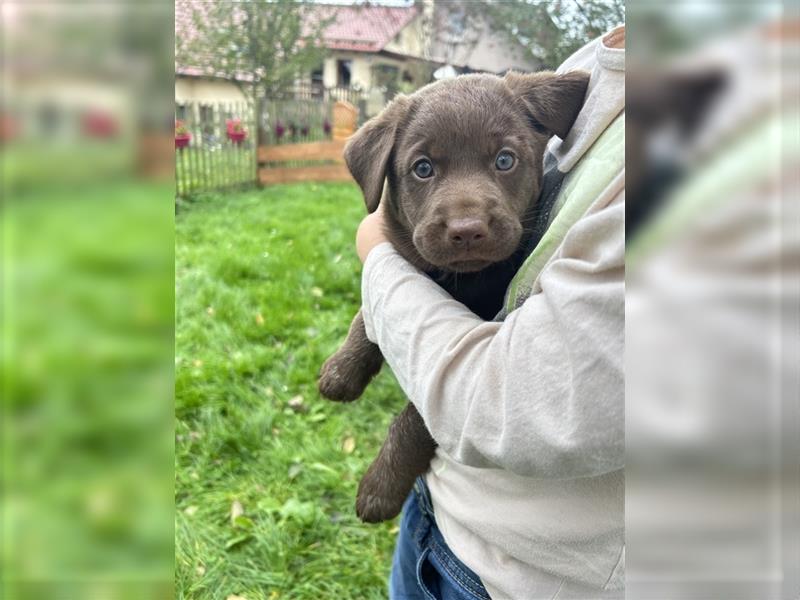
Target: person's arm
{"points": [[540, 394]]}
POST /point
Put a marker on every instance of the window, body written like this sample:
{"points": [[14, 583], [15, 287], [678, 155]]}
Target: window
{"points": [[207, 119], [457, 22], [386, 77], [317, 82], [207, 114], [343, 70]]}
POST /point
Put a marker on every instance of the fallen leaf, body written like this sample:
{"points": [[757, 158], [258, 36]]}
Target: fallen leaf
{"points": [[259, 319], [316, 292], [296, 404], [237, 510], [294, 470], [348, 445]]}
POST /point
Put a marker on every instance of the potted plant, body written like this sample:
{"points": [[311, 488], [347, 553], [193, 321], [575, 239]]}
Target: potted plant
{"points": [[236, 132], [182, 134]]}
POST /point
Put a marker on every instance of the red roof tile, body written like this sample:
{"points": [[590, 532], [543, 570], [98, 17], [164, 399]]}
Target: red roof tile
{"points": [[364, 28]]}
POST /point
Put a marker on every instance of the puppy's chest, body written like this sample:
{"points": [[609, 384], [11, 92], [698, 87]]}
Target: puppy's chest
{"points": [[482, 292]]}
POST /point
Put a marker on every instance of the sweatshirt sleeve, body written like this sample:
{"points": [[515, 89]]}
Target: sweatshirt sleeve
{"points": [[540, 394]]}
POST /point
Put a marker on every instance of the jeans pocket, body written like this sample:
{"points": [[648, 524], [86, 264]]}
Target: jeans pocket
{"points": [[427, 577], [441, 577]]}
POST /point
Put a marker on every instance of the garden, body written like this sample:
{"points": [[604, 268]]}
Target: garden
{"points": [[267, 281]]}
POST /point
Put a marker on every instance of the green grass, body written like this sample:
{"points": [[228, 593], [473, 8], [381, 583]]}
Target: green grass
{"points": [[266, 284], [86, 428]]}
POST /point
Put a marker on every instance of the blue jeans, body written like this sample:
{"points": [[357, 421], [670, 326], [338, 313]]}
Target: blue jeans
{"points": [[424, 568]]}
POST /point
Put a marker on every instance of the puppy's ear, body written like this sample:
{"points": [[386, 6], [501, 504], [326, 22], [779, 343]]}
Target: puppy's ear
{"points": [[551, 102], [367, 152]]}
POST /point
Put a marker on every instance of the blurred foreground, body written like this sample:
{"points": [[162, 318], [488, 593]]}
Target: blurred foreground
{"points": [[713, 290]]}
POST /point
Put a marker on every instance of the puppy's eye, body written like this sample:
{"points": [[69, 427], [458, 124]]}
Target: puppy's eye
{"points": [[504, 161], [423, 168]]}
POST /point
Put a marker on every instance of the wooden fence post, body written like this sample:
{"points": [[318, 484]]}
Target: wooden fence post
{"points": [[345, 120]]}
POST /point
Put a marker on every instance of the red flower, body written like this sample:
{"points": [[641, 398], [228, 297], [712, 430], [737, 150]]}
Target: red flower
{"points": [[234, 126]]}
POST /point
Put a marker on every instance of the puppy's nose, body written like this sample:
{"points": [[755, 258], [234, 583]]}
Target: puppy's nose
{"points": [[466, 232]]}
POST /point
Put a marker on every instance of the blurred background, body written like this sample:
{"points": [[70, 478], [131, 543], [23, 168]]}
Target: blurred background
{"points": [[87, 304], [335, 65], [154, 147]]}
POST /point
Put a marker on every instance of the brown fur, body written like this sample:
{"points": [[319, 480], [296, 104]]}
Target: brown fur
{"points": [[465, 225]]}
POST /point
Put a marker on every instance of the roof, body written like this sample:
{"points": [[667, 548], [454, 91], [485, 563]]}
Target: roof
{"points": [[364, 28], [356, 28]]}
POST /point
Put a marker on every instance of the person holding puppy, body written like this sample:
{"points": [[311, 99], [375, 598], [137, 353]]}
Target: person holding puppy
{"points": [[525, 497]]}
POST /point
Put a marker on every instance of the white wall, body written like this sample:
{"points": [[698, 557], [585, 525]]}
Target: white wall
{"points": [[360, 73], [196, 89], [362, 63], [410, 41]]}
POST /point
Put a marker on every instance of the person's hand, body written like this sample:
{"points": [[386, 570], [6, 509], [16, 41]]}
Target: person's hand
{"points": [[370, 233]]}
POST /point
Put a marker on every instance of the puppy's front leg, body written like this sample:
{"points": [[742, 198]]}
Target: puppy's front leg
{"points": [[345, 375], [406, 454]]}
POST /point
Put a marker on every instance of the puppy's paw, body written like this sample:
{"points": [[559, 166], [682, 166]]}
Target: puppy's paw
{"points": [[379, 498], [341, 379]]}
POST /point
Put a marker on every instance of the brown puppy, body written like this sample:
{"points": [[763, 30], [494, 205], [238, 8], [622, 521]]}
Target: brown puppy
{"points": [[462, 163]]}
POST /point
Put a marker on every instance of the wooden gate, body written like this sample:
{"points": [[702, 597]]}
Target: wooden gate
{"points": [[321, 161]]}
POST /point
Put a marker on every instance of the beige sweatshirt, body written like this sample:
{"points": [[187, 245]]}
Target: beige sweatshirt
{"points": [[527, 484]]}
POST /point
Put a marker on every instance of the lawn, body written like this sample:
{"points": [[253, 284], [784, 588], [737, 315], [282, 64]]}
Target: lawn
{"points": [[86, 424], [267, 282]]}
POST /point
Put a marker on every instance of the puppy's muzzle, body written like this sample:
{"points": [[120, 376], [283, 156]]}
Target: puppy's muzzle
{"points": [[467, 234]]}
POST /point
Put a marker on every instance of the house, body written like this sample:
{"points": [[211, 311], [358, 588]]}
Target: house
{"points": [[374, 48], [367, 47]]}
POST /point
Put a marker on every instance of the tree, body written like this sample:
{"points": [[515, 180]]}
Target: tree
{"points": [[552, 30], [261, 46]]}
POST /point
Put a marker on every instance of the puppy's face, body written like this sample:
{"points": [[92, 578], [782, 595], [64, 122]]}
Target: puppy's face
{"points": [[463, 163]]}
